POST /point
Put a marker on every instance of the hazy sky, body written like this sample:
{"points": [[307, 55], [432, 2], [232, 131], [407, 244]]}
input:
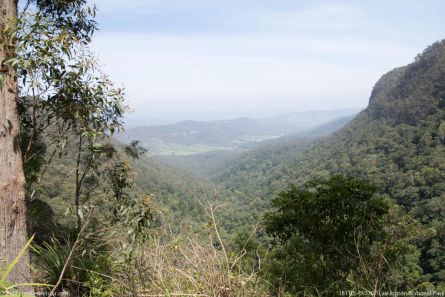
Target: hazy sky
{"points": [[223, 58]]}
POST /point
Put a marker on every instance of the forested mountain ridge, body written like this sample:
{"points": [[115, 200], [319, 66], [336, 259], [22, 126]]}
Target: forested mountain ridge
{"points": [[411, 93], [398, 143], [400, 131]]}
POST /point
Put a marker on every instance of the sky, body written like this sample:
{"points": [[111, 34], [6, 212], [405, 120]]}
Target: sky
{"points": [[208, 59]]}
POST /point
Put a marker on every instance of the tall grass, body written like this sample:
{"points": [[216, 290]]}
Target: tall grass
{"points": [[8, 289], [190, 263]]}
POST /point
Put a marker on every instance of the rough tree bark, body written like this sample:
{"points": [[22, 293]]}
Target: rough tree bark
{"points": [[13, 231]]}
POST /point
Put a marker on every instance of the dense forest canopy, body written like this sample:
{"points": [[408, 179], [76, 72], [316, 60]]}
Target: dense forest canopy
{"points": [[258, 207]]}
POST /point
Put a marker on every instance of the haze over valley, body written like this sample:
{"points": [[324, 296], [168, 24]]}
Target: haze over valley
{"points": [[191, 137]]}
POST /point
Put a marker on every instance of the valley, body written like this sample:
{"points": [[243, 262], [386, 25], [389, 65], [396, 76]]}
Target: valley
{"points": [[193, 137], [240, 166], [396, 143]]}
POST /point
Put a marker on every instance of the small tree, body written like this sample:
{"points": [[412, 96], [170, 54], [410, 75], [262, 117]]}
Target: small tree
{"points": [[315, 228]]}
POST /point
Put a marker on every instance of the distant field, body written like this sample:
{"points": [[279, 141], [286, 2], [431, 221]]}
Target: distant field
{"points": [[258, 138], [173, 149]]}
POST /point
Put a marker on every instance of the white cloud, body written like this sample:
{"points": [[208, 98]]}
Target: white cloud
{"points": [[325, 16]]}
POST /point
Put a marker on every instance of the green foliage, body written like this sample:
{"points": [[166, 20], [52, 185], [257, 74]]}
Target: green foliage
{"points": [[250, 181], [134, 149], [108, 202], [70, 15], [253, 247], [62, 90], [86, 272], [51, 259], [319, 228], [133, 213]]}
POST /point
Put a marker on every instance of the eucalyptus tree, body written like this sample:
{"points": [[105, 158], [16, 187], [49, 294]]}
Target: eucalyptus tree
{"points": [[12, 192], [52, 89]]}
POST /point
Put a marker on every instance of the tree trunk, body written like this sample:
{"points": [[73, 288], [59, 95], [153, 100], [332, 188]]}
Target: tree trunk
{"points": [[13, 231]]}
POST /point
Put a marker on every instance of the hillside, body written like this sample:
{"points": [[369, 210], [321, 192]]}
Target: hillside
{"points": [[191, 137], [174, 192], [398, 143]]}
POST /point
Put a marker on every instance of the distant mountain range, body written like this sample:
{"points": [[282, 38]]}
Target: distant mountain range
{"points": [[191, 137]]}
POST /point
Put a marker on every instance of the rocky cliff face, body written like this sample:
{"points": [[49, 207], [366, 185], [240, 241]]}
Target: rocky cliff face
{"points": [[411, 93]]}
